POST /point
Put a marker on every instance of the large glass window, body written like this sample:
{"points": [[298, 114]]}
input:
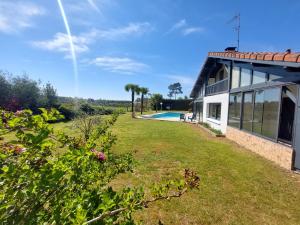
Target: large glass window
{"points": [[259, 77], [214, 111], [258, 111], [270, 116], [235, 109], [245, 77], [235, 79], [247, 111]]}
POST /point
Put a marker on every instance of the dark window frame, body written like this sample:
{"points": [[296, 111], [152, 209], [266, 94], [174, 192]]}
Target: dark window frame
{"points": [[216, 112], [251, 77], [231, 76], [228, 115], [241, 111]]}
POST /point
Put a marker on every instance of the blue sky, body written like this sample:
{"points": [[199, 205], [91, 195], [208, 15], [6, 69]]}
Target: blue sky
{"points": [[150, 43]]}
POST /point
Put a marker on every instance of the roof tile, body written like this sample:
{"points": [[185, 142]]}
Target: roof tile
{"points": [[247, 55], [262, 56], [279, 56], [292, 57], [253, 56]]}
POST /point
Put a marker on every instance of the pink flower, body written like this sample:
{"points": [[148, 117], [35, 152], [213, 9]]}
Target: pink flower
{"points": [[19, 149], [19, 112], [101, 156]]}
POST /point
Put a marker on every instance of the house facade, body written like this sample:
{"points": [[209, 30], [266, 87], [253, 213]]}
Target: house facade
{"points": [[253, 98]]}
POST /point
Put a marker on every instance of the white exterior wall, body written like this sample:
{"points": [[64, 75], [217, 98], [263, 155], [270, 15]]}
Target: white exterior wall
{"points": [[224, 100]]}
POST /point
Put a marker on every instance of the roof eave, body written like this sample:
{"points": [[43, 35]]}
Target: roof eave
{"points": [[275, 63]]}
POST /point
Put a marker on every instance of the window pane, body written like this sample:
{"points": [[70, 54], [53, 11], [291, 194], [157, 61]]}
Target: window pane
{"points": [[247, 111], [274, 77], [258, 111], [234, 109], [259, 77], [245, 77], [218, 111], [226, 71], [214, 111], [270, 115], [235, 80]]}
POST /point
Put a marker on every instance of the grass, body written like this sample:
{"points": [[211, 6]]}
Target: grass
{"points": [[237, 186]]}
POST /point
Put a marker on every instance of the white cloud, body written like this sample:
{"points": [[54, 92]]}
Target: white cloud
{"points": [[18, 15], [60, 41], [184, 80], [85, 6], [119, 65], [178, 25], [184, 28], [93, 5], [135, 29], [192, 30]]}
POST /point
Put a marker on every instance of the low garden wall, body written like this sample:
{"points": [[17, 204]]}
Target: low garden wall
{"points": [[278, 153]]}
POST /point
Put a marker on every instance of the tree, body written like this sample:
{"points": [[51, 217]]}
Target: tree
{"points": [[175, 89], [91, 100], [26, 93], [134, 90], [155, 100], [5, 90], [50, 96], [143, 91], [87, 109]]}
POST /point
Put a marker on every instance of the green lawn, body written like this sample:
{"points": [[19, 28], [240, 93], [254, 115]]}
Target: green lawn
{"points": [[237, 186]]}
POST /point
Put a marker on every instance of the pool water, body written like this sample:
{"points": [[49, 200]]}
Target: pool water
{"points": [[175, 115]]}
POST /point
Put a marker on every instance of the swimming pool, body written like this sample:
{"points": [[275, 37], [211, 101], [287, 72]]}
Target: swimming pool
{"points": [[166, 115]]}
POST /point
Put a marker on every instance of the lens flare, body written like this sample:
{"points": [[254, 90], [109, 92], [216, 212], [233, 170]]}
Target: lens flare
{"points": [[72, 48]]}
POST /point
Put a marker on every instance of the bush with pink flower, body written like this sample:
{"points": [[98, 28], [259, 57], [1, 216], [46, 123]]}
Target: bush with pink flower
{"points": [[72, 187]]}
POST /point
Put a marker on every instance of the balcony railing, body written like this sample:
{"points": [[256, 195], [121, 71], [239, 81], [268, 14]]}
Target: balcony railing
{"points": [[217, 87]]}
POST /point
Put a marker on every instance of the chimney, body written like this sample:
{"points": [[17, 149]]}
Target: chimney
{"points": [[230, 49]]}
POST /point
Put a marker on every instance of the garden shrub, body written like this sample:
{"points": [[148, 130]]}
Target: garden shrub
{"points": [[207, 125], [41, 183]]}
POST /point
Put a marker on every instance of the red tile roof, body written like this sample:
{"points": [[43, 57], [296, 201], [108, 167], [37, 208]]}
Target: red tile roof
{"points": [[262, 56]]}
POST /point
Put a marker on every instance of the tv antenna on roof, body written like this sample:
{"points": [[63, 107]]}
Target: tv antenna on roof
{"points": [[237, 28]]}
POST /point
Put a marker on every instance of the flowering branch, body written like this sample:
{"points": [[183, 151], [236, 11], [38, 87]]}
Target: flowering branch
{"points": [[191, 181]]}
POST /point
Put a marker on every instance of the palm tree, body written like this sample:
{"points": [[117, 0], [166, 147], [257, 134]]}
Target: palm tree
{"points": [[143, 91], [134, 89], [155, 100]]}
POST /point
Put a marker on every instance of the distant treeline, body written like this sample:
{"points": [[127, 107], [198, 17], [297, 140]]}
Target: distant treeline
{"points": [[99, 102], [21, 92]]}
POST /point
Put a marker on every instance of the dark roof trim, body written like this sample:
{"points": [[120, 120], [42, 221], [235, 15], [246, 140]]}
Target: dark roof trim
{"points": [[196, 85], [274, 63]]}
